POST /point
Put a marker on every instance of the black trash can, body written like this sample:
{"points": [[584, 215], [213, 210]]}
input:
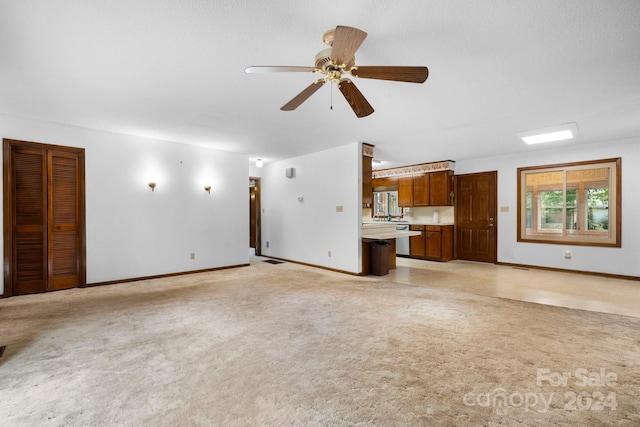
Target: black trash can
{"points": [[380, 258]]}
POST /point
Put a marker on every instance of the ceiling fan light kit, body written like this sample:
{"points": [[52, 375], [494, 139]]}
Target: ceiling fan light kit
{"points": [[338, 60]]}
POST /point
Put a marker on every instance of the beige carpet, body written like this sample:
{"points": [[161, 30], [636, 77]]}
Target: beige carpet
{"points": [[281, 345]]}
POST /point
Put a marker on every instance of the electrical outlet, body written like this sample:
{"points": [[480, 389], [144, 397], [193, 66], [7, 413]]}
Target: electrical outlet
{"points": [[339, 209], [504, 208], [567, 254], [193, 255], [329, 254], [267, 243]]}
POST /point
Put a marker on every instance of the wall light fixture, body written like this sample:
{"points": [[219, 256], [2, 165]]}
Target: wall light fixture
{"points": [[152, 185], [207, 188]]}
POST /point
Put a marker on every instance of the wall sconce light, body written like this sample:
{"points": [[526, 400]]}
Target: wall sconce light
{"points": [[152, 185], [207, 188], [259, 163]]}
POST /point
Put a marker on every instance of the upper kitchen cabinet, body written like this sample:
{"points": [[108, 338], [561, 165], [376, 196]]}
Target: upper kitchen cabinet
{"points": [[429, 189], [405, 191], [426, 184], [367, 188], [367, 175], [440, 185], [421, 190], [385, 183]]}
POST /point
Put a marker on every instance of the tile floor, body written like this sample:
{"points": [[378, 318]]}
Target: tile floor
{"points": [[562, 289], [571, 290]]}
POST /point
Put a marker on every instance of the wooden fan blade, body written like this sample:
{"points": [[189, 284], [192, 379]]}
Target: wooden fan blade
{"points": [[303, 96], [278, 69], [354, 97], [345, 43], [398, 74]]}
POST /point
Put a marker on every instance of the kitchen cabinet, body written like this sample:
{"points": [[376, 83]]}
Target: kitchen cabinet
{"points": [[429, 189], [417, 244], [367, 178], [440, 186], [435, 242], [385, 182], [405, 191], [421, 190]]}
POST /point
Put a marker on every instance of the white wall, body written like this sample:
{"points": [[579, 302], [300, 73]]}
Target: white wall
{"points": [[306, 231], [133, 232], [622, 261]]}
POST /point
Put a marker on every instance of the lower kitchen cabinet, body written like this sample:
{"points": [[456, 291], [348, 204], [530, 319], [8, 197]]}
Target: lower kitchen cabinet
{"points": [[417, 246], [435, 242]]}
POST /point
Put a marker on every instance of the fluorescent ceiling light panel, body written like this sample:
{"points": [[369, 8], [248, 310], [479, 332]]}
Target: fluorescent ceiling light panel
{"points": [[550, 134]]}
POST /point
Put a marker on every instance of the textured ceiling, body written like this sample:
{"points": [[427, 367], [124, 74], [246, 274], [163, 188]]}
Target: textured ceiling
{"points": [[174, 70]]}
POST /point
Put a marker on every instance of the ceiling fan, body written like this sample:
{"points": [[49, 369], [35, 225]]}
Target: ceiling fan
{"points": [[339, 60]]}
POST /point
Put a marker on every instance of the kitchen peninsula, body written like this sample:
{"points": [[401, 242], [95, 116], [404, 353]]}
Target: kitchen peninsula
{"points": [[381, 231]]}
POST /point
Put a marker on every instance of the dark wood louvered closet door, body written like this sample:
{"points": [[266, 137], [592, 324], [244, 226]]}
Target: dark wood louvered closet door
{"points": [[44, 217], [30, 221], [63, 236]]}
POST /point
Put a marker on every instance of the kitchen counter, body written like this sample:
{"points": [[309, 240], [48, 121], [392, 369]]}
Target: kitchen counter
{"points": [[390, 235], [384, 230], [369, 223]]}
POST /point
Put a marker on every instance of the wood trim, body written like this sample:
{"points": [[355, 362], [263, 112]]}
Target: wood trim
{"points": [[164, 276], [570, 164], [258, 218], [566, 270], [316, 266], [7, 222], [415, 169]]}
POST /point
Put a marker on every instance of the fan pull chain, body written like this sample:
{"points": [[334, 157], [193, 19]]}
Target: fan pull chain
{"points": [[331, 104]]}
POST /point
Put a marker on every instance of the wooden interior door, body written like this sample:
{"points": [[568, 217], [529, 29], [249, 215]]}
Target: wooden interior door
{"points": [[44, 243], [475, 216]]}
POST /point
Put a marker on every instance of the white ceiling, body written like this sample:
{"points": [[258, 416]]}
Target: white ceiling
{"points": [[174, 70]]}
